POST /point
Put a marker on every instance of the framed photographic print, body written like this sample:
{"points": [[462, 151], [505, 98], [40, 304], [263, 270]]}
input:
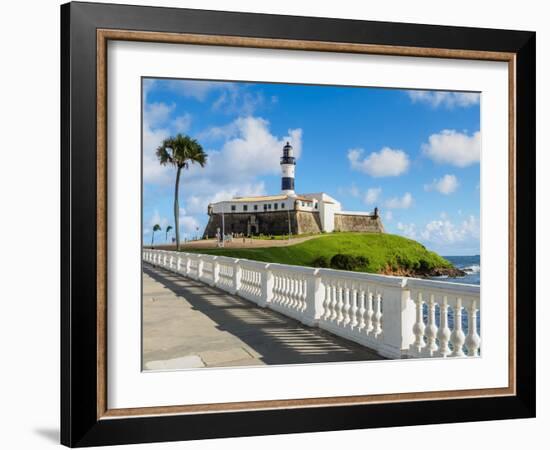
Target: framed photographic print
{"points": [[277, 224]]}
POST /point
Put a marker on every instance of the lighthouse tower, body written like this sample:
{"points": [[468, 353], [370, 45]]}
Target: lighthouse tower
{"points": [[288, 165]]}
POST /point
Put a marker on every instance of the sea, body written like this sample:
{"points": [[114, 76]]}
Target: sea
{"points": [[469, 264]]}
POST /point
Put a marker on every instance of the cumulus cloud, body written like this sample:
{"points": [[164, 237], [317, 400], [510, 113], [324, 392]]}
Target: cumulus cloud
{"points": [[448, 100], [157, 219], [444, 233], [407, 229], [237, 100], [372, 195], [388, 216], [447, 232], [400, 202], [385, 163], [250, 151], [445, 185], [453, 147], [158, 124]]}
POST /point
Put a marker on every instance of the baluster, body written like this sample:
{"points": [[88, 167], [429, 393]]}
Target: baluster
{"points": [[334, 304], [340, 305], [362, 308], [354, 307], [295, 293], [275, 289], [378, 314], [457, 336], [347, 305], [472, 340], [431, 329], [328, 300], [284, 295], [444, 333], [370, 313], [303, 295], [419, 327], [288, 290]]}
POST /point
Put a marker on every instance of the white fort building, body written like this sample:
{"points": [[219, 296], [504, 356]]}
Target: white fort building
{"points": [[287, 212]]}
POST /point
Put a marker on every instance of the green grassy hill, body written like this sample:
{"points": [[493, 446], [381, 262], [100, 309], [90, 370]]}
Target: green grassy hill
{"points": [[381, 253]]}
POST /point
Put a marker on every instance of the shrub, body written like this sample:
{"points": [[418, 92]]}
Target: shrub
{"points": [[348, 262], [404, 262], [424, 266], [321, 261]]}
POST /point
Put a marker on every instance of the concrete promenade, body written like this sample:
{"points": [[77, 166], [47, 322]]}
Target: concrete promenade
{"points": [[187, 324]]}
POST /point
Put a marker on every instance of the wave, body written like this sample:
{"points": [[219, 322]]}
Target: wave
{"points": [[474, 268]]}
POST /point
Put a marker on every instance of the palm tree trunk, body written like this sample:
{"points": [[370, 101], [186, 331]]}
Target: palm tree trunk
{"points": [[152, 238], [177, 209]]}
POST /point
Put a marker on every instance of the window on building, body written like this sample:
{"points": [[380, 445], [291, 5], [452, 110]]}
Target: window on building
{"points": [[233, 208], [275, 205], [245, 207], [269, 206], [265, 206], [255, 207], [282, 206], [316, 205]]}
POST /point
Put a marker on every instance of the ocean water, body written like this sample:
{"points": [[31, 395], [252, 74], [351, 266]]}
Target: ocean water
{"points": [[470, 264]]}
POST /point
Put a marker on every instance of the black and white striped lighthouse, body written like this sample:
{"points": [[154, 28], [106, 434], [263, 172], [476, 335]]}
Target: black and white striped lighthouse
{"points": [[288, 165]]}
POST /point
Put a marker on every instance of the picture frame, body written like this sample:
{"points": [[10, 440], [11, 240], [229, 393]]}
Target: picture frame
{"points": [[86, 418]]}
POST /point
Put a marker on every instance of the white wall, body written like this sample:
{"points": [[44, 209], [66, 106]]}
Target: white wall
{"points": [[30, 223]]}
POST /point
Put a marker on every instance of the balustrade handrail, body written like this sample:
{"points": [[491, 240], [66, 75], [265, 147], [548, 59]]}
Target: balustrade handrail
{"points": [[395, 316]]}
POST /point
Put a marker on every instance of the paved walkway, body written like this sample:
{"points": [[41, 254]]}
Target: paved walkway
{"points": [[188, 324]]}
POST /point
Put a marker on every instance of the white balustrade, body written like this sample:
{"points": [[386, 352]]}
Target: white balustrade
{"points": [[369, 309], [294, 292], [442, 310], [252, 273], [394, 316]]}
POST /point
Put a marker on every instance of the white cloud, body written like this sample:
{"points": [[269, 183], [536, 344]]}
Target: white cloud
{"points": [[181, 124], [445, 185], [385, 163], [198, 203], [157, 219], [453, 147], [388, 216], [400, 202], [407, 229], [372, 195], [449, 100], [237, 100], [249, 151], [188, 223], [447, 232], [157, 126], [156, 114], [444, 233]]}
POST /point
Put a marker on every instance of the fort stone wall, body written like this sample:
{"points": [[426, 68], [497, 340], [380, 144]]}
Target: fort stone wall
{"points": [[267, 223], [359, 223]]}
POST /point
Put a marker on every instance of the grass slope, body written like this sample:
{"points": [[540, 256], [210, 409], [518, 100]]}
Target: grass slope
{"points": [[384, 251]]}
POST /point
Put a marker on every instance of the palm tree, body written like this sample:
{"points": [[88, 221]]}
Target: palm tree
{"points": [[180, 151], [155, 228], [168, 228]]}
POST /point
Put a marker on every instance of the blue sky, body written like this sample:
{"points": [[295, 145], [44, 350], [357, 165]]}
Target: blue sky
{"points": [[414, 154]]}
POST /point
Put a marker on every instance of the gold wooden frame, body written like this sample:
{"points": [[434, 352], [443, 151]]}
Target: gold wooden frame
{"points": [[104, 35]]}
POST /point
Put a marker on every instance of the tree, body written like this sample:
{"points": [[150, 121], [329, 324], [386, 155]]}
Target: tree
{"points": [[168, 228], [180, 151], [155, 228]]}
